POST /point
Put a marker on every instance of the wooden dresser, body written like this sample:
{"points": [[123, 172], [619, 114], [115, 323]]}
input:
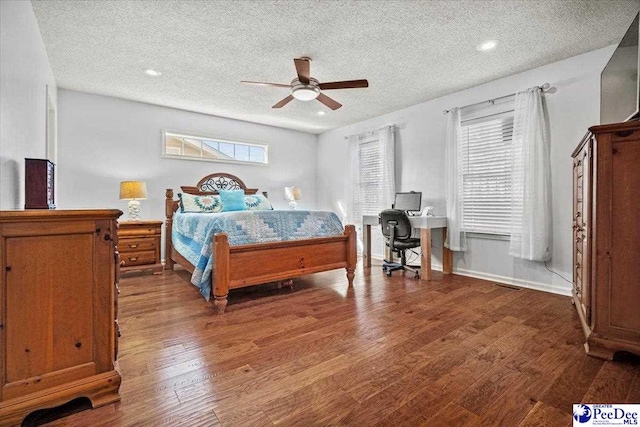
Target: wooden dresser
{"points": [[606, 231], [140, 245], [58, 292]]}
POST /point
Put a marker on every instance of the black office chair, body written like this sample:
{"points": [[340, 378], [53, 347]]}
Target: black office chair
{"points": [[396, 230]]}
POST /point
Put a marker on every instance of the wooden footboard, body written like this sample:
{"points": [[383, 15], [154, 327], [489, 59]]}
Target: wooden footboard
{"points": [[246, 265]]}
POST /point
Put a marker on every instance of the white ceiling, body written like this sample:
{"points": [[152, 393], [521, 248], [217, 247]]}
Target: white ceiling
{"points": [[410, 51]]}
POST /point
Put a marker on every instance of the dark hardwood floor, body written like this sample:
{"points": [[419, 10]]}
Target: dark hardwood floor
{"points": [[391, 352]]}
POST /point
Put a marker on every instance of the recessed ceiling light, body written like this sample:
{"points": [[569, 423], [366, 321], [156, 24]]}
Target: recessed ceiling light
{"points": [[322, 113], [488, 45], [153, 73]]}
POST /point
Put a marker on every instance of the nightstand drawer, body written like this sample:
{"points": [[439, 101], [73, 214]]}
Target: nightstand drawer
{"points": [[138, 258], [137, 245], [125, 231]]}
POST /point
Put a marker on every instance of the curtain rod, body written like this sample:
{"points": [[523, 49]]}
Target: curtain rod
{"points": [[394, 126], [546, 88]]}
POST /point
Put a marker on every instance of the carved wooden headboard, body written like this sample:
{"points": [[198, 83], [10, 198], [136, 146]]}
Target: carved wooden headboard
{"points": [[215, 182]]}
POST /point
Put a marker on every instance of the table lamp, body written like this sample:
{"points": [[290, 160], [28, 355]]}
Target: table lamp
{"points": [[133, 191], [292, 194]]}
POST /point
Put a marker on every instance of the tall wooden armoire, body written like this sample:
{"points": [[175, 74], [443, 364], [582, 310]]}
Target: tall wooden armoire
{"points": [[606, 232]]}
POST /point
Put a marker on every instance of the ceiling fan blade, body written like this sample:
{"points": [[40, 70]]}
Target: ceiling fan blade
{"points": [[347, 84], [303, 69], [283, 102], [265, 83], [334, 105]]}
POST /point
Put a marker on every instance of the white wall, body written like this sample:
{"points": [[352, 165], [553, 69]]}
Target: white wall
{"points": [[25, 73], [105, 140], [420, 163]]}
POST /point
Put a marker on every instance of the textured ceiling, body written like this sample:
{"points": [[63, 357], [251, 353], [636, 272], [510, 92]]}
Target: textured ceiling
{"points": [[410, 51]]}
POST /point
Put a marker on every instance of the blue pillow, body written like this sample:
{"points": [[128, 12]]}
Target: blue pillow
{"points": [[232, 200]]}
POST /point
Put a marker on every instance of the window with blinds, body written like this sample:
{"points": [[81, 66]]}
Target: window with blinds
{"points": [[370, 192], [486, 173]]}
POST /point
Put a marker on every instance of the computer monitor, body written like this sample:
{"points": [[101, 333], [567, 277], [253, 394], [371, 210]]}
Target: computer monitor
{"points": [[409, 202]]}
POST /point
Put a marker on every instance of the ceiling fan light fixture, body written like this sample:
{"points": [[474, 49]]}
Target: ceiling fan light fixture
{"points": [[305, 93]]}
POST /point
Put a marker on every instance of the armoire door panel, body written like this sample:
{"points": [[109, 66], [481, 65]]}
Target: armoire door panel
{"points": [[48, 283], [625, 237]]}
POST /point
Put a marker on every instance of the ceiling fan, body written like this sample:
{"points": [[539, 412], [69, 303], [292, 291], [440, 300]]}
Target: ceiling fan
{"points": [[306, 88]]}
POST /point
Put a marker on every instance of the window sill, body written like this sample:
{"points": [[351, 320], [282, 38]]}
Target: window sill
{"points": [[204, 159], [474, 235]]}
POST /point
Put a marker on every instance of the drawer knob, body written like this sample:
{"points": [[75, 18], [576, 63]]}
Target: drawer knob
{"points": [[135, 258], [134, 245]]}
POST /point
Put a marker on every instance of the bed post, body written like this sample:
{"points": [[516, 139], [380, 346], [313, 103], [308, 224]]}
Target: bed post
{"points": [[221, 289], [350, 231], [168, 246]]}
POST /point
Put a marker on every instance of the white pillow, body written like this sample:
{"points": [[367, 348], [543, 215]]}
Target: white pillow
{"points": [[200, 204], [257, 202]]}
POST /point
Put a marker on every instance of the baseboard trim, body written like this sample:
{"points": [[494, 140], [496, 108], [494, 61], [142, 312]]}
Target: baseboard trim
{"points": [[538, 286]]}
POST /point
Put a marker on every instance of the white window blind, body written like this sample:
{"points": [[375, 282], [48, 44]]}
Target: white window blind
{"points": [[486, 173], [370, 193]]}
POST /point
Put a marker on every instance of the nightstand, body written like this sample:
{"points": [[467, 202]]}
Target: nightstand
{"points": [[139, 245]]}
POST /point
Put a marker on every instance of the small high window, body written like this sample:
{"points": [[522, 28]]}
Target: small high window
{"points": [[179, 146]]}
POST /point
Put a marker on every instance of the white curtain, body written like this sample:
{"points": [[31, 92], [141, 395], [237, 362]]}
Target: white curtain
{"points": [[352, 193], [530, 179], [456, 237], [388, 149], [361, 200]]}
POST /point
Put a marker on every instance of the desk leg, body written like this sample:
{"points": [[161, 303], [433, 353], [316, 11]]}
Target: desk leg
{"points": [[366, 240], [425, 251], [447, 255]]}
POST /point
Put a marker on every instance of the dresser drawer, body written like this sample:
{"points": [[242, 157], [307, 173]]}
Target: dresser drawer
{"points": [[138, 258], [126, 245]]}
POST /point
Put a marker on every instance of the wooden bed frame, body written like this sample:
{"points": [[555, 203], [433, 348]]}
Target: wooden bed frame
{"points": [[247, 265]]}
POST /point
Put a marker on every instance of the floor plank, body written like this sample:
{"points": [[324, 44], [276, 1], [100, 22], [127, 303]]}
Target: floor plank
{"points": [[543, 415], [392, 351]]}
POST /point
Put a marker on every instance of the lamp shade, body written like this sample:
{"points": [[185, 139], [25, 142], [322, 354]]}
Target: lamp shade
{"points": [[130, 190], [292, 193]]}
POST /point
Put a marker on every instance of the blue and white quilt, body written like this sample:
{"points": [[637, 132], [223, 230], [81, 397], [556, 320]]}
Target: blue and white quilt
{"points": [[193, 233]]}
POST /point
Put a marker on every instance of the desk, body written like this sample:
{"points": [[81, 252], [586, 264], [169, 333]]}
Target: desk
{"points": [[425, 224]]}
